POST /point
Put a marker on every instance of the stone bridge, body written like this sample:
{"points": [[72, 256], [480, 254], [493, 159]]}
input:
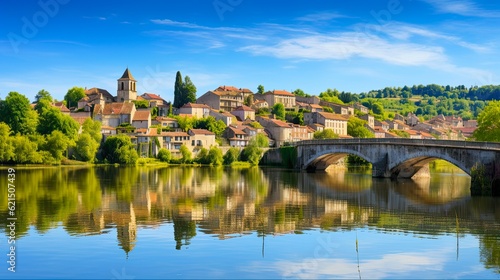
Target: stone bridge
{"points": [[398, 158]]}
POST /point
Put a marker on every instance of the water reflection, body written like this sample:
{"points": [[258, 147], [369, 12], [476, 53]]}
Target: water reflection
{"points": [[226, 203]]}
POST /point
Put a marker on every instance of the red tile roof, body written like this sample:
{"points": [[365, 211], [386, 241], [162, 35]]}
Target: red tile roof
{"points": [[201, 131], [117, 108], [280, 92], [332, 116], [244, 108], [152, 96], [174, 134], [194, 105], [227, 88], [142, 115]]}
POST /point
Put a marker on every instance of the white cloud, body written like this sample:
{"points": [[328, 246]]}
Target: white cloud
{"points": [[321, 16], [350, 44], [463, 8]]}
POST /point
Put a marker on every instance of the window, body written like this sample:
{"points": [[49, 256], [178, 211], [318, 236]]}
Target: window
{"points": [[192, 143], [123, 85]]}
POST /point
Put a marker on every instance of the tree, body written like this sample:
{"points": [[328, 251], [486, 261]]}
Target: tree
{"points": [[261, 140], [164, 155], [86, 147], [488, 126], [178, 90], [188, 90], [52, 119], [43, 94], [6, 147], [378, 109], [16, 112], [299, 92], [57, 144], [279, 111], [252, 152], [249, 100], [356, 128], [202, 156], [93, 128], [25, 151], [326, 134], [231, 155], [42, 105], [186, 154], [119, 149], [215, 156], [260, 89], [73, 95]]}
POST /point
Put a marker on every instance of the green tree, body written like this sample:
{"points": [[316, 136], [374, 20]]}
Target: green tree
{"points": [[252, 152], [202, 156], [249, 100], [86, 147], [141, 104], [378, 109], [119, 149], [178, 90], [325, 134], [73, 95], [43, 94], [189, 91], [356, 128], [42, 105], [6, 146], [164, 155], [25, 151], [52, 119], [16, 112], [261, 140], [93, 128], [260, 89], [231, 155], [299, 92], [215, 156], [57, 144], [279, 111], [186, 154], [488, 124]]}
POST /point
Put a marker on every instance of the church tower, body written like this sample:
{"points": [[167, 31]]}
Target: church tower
{"points": [[126, 87]]}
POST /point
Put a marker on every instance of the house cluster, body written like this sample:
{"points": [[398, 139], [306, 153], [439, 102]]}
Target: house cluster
{"points": [[119, 114]]}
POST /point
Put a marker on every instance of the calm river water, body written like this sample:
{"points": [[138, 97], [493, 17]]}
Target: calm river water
{"points": [[183, 222]]}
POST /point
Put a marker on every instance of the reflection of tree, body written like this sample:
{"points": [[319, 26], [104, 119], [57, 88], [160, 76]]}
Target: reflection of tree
{"points": [[183, 230], [490, 251]]}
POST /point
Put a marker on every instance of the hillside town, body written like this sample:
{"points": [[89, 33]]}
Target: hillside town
{"points": [[119, 114]]}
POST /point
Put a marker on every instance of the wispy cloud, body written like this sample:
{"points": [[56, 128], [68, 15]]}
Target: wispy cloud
{"points": [[463, 8], [321, 16]]}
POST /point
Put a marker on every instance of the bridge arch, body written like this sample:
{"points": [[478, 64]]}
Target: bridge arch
{"points": [[326, 158], [410, 164]]}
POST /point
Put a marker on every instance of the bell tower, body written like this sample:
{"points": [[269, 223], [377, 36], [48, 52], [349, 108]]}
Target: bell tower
{"points": [[126, 87]]}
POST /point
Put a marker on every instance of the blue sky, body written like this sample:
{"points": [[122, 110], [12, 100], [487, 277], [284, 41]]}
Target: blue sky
{"points": [[313, 45]]}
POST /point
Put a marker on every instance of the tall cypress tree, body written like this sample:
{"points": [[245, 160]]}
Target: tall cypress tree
{"points": [[178, 91], [189, 91]]}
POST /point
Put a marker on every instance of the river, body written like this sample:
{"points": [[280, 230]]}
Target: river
{"points": [[204, 222]]}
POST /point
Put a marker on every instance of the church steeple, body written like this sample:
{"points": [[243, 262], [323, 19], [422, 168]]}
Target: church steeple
{"points": [[126, 90]]}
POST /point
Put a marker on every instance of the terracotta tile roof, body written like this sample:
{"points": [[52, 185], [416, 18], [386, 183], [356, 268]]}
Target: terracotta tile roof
{"points": [[152, 96], [165, 119], [107, 127], [332, 116], [244, 108], [140, 98], [259, 101], [227, 88], [201, 131], [174, 134], [97, 91], [245, 90], [237, 130], [280, 92], [61, 106], [117, 108], [127, 75], [194, 105], [279, 123], [317, 106], [142, 115]]}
